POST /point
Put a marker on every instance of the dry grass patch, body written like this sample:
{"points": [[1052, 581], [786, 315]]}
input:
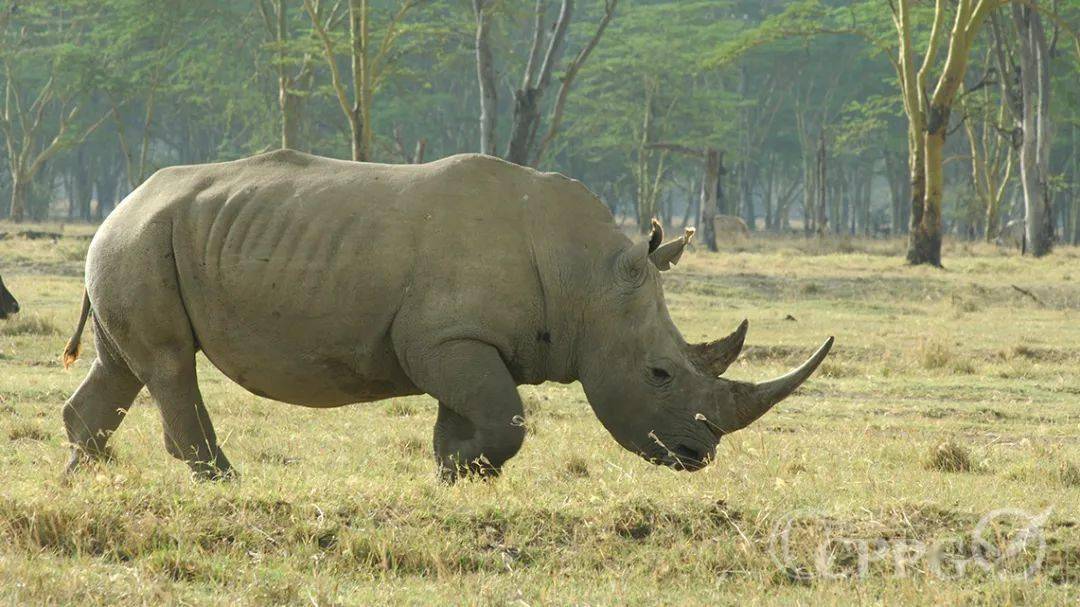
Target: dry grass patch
{"points": [[1069, 474], [28, 324], [577, 467], [933, 353], [950, 456], [400, 407], [413, 446], [27, 431]]}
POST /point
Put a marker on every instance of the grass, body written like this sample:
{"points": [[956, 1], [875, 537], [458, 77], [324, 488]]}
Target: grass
{"points": [[948, 395], [28, 324], [950, 456]]}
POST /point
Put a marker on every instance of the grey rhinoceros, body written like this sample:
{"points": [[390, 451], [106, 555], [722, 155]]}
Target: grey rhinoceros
{"points": [[8, 304], [322, 282]]}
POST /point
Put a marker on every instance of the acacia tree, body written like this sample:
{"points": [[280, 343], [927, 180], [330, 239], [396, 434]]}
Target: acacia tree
{"points": [[928, 117], [1025, 70], [47, 79], [991, 148], [368, 62], [293, 81], [522, 146]]}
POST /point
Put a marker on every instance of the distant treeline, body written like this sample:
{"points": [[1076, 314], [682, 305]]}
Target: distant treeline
{"points": [[818, 116]]}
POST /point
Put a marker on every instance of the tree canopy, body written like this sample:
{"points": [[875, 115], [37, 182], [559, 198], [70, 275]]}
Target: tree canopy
{"points": [[824, 116]]}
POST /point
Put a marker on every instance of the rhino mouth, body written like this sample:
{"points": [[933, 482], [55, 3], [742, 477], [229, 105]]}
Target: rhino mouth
{"points": [[688, 458]]}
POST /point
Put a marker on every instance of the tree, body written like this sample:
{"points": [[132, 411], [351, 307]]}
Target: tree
{"points": [[928, 118], [522, 147], [368, 66], [1027, 87], [47, 85], [991, 148], [293, 82]]}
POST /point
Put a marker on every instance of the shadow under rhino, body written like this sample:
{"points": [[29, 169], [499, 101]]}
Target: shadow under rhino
{"points": [[321, 282]]}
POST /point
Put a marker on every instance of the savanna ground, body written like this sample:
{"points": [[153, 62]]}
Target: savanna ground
{"points": [[949, 394]]}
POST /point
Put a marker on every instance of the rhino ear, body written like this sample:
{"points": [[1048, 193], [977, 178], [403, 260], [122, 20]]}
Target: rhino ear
{"points": [[669, 254], [656, 235], [634, 261], [632, 266]]}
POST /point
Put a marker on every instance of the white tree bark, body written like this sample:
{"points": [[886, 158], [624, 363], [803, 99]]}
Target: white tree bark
{"points": [[1035, 125]]}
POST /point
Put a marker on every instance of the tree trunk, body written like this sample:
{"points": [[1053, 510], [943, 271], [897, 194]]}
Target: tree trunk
{"points": [[689, 206], [1034, 123], [356, 135], [747, 194], [290, 118], [809, 191], [105, 185], [928, 119], [361, 109], [527, 98], [926, 237], [1074, 196], [288, 102], [82, 188], [710, 188], [895, 173], [485, 73], [19, 195], [525, 120], [769, 183], [821, 221]]}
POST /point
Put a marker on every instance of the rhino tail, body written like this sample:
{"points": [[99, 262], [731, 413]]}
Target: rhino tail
{"points": [[71, 351]]}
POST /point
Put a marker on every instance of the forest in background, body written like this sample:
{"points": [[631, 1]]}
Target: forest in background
{"points": [[859, 117]]}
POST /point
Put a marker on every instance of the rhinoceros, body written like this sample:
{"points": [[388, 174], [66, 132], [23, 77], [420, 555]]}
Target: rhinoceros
{"points": [[322, 282], [8, 305]]}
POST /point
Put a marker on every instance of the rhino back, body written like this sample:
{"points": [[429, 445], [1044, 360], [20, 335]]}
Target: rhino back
{"points": [[305, 279]]}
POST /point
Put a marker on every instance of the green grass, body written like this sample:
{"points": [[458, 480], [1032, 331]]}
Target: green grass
{"points": [[949, 394]]}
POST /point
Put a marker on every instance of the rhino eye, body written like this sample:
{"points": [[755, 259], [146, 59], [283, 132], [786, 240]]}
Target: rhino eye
{"points": [[660, 376]]}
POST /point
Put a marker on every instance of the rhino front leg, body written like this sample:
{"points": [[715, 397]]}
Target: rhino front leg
{"points": [[481, 420]]}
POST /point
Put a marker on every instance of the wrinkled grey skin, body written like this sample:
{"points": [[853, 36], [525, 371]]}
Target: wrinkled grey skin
{"points": [[8, 305], [321, 283]]}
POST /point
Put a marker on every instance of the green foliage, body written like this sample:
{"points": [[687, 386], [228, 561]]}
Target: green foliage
{"points": [[194, 81]]}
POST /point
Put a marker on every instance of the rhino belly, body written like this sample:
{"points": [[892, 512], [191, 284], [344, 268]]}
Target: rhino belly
{"points": [[279, 303], [306, 364]]}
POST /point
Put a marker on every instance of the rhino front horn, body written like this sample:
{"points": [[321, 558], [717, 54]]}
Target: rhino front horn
{"points": [[753, 400]]}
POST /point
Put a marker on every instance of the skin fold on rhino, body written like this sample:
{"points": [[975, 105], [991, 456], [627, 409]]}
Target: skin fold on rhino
{"points": [[321, 283], [8, 305]]}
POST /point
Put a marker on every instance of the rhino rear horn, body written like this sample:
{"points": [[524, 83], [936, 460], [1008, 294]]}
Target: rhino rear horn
{"points": [[714, 357]]}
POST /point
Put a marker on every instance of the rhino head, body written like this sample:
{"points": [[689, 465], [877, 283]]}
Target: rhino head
{"points": [[659, 396], [8, 305]]}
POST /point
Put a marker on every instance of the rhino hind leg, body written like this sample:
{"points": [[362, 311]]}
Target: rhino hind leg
{"points": [[97, 407], [481, 419], [150, 329], [189, 433]]}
